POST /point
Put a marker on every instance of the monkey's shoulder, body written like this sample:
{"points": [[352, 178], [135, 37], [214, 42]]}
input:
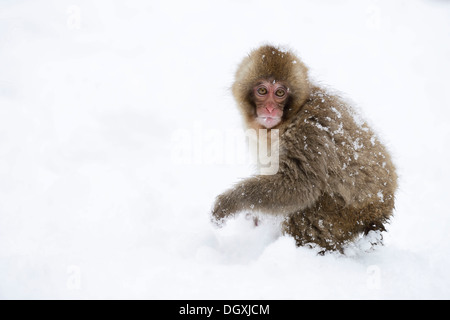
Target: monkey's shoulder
{"points": [[322, 113], [327, 120]]}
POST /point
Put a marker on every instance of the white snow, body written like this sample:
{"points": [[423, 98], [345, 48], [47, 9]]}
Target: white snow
{"points": [[339, 115], [380, 196], [92, 203]]}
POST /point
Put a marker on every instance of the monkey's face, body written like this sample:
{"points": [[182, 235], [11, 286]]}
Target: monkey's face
{"points": [[270, 98]]}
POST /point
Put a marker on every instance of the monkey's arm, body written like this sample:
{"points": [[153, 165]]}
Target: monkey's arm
{"points": [[289, 190], [304, 170]]}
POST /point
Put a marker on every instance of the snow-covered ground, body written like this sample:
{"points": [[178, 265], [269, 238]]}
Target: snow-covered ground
{"points": [[98, 100]]}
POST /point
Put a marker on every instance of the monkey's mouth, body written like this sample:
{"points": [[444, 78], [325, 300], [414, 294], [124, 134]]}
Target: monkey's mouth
{"points": [[268, 122]]}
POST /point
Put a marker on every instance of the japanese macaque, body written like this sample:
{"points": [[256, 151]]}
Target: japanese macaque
{"points": [[335, 180]]}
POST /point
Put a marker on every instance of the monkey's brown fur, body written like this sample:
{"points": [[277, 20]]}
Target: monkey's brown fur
{"points": [[335, 179]]}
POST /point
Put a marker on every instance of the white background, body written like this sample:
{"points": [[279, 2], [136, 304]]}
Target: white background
{"points": [[94, 96]]}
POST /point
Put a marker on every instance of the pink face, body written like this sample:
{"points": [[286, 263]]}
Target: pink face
{"points": [[270, 99]]}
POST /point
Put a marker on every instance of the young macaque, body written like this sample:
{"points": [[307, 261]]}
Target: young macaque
{"points": [[335, 179]]}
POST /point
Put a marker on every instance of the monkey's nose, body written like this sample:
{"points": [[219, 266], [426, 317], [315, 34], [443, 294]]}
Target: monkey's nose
{"points": [[270, 109]]}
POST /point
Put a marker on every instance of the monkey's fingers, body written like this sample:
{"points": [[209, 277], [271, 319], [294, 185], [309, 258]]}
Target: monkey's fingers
{"points": [[221, 211], [217, 222], [219, 215]]}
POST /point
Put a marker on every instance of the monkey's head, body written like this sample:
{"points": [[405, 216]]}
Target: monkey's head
{"points": [[270, 86]]}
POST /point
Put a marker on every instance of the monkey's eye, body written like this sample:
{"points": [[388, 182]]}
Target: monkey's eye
{"points": [[262, 91], [280, 93]]}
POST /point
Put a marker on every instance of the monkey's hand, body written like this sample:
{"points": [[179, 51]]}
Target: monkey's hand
{"points": [[277, 195], [250, 195], [224, 207]]}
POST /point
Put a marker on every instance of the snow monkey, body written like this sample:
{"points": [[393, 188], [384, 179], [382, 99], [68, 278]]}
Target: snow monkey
{"points": [[335, 179]]}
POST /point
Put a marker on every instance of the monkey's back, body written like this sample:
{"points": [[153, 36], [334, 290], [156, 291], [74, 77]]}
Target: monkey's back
{"points": [[352, 168]]}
